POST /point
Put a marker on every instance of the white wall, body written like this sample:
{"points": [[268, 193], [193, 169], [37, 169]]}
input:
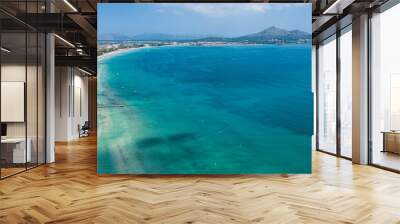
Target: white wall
{"points": [[62, 82], [14, 72], [33, 126], [71, 102], [17, 73], [80, 104], [13, 101]]}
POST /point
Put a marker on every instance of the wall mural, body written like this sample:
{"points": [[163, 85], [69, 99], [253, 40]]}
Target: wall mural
{"points": [[204, 88]]}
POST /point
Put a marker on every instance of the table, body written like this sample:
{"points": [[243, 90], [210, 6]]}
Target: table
{"points": [[16, 147], [391, 141]]}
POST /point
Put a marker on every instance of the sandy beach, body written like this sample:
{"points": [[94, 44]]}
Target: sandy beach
{"points": [[119, 51]]}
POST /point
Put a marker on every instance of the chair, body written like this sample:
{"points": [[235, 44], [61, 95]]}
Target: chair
{"points": [[84, 130]]}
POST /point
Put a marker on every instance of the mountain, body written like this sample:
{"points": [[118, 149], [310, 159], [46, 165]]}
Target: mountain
{"points": [[274, 33], [165, 37], [112, 36], [149, 37], [270, 35], [270, 32]]}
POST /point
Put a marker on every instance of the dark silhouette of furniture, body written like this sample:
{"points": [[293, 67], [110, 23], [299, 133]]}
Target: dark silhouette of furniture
{"points": [[84, 129], [391, 142]]}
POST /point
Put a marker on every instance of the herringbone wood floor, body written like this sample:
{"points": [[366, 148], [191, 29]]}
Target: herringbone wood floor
{"points": [[69, 191]]}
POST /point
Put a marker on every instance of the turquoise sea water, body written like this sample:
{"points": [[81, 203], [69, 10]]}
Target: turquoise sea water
{"points": [[206, 110]]}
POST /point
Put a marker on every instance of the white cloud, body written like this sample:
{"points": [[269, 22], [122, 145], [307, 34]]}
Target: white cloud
{"points": [[219, 9]]}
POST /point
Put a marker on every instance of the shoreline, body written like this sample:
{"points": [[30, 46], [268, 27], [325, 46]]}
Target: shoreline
{"points": [[119, 52], [127, 50]]}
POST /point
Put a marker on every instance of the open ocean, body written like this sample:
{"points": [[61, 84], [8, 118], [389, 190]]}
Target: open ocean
{"points": [[243, 109]]}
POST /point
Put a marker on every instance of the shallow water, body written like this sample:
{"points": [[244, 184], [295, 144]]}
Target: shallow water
{"points": [[206, 110]]}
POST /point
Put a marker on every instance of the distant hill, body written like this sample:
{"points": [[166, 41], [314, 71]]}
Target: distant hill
{"points": [[112, 36], [274, 33], [165, 37], [270, 35], [149, 37]]}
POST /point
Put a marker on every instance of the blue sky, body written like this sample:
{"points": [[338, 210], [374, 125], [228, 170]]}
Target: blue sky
{"points": [[228, 20]]}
